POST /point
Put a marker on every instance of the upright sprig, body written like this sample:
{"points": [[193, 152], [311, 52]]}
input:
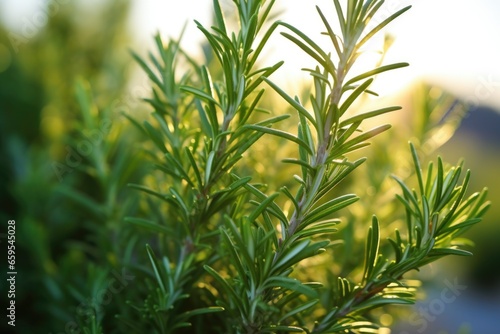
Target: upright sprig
{"points": [[105, 166], [437, 214], [201, 134], [226, 105], [335, 90], [325, 138], [205, 125]]}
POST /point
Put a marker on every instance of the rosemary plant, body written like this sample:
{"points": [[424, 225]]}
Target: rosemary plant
{"points": [[226, 253]]}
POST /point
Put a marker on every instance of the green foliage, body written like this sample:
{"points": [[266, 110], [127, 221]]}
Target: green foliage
{"points": [[250, 247], [190, 223]]}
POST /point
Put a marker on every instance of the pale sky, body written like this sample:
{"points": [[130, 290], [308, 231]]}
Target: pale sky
{"points": [[454, 43]]}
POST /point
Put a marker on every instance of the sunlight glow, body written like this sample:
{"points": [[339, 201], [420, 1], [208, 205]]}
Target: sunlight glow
{"points": [[446, 42], [451, 43]]}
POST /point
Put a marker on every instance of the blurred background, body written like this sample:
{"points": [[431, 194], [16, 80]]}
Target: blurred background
{"points": [[46, 47]]}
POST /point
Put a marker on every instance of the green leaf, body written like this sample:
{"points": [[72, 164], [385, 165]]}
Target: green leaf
{"points": [[300, 163], [375, 72], [225, 197], [274, 209], [235, 250], [288, 194], [263, 40], [460, 226], [281, 134], [318, 228], [179, 199], [84, 200], [178, 168], [328, 208], [362, 117], [84, 97], [342, 169], [332, 35], [266, 72], [480, 205], [350, 145], [340, 16], [262, 207], [318, 54], [219, 17], [134, 122], [379, 301], [291, 284], [296, 252], [155, 135], [208, 167], [180, 324], [200, 94], [380, 26], [299, 309], [314, 54], [194, 165], [372, 249], [281, 328], [156, 269], [448, 251], [418, 169], [295, 104], [397, 249], [199, 311], [146, 190], [236, 298], [354, 95], [146, 69], [149, 225]]}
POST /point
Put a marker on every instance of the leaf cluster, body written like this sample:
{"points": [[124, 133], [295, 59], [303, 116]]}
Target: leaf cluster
{"points": [[229, 241]]}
